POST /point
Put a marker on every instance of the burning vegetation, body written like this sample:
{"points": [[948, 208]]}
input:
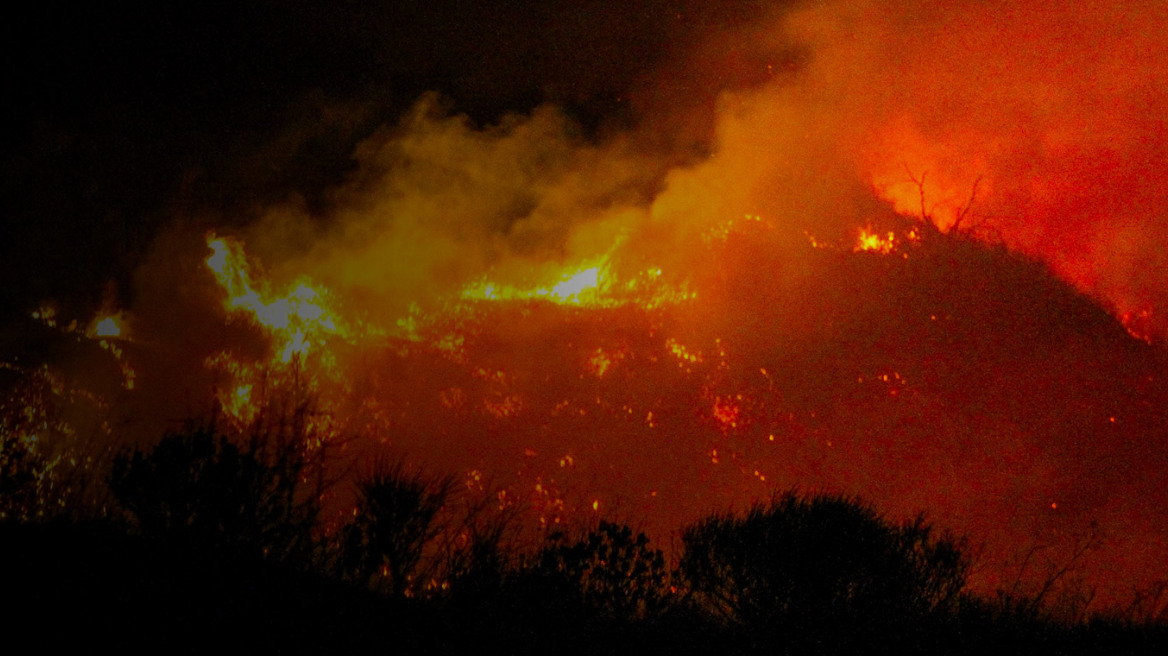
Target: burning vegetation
{"points": [[854, 273], [671, 409]]}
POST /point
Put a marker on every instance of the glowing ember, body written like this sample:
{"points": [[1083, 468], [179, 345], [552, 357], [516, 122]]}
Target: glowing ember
{"points": [[1139, 324], [683, 354], [46, 315], [726, 411], [599, 362]]}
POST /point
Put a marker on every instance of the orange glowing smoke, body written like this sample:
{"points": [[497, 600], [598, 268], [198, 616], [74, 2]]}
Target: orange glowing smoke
{"points": [[1053, 143]]}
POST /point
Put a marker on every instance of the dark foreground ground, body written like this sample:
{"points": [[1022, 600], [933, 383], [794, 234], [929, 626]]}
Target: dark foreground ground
{"points": [[81, 586]]}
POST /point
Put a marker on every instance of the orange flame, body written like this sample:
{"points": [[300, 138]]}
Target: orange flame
{"points": [[875, 242]]}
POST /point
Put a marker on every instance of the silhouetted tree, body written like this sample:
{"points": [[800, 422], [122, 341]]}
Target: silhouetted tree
{"points": [[821, 572]]}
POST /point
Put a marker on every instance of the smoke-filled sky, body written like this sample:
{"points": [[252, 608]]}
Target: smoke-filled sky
{"points": [[126, 117], [400, 153]]}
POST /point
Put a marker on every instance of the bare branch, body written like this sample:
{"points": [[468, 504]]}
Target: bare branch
{"points": [[1091, 542], [968, 204], [920, 183]]}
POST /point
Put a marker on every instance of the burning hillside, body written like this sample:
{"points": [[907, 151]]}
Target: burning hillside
{"points": [[893, 262]]}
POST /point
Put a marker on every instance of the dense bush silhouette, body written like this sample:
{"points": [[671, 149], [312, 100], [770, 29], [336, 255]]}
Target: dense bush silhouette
{"points": [[421, 568], [611, 572], [224, 521], [258, 493], [824, 572], [482, 551], [600, 590]]}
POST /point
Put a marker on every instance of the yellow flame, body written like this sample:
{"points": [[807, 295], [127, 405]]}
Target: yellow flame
{"points": [[588, 283], [577, 285], [580, 286], [872, 241], [238, 403]]}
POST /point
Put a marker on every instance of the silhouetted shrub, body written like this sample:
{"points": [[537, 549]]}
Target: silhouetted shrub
{"points": [[823, 572], [20, 469], [601, 592], [257, 493], [47, 472], [611, 572], [396, 518], [482, 550]]}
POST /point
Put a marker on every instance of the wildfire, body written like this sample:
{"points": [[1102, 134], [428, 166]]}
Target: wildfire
{"points": [[296, 320], [301, 327], [592, 283], [107, 327], [577, 286], [874, 242], [582, 286]]}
